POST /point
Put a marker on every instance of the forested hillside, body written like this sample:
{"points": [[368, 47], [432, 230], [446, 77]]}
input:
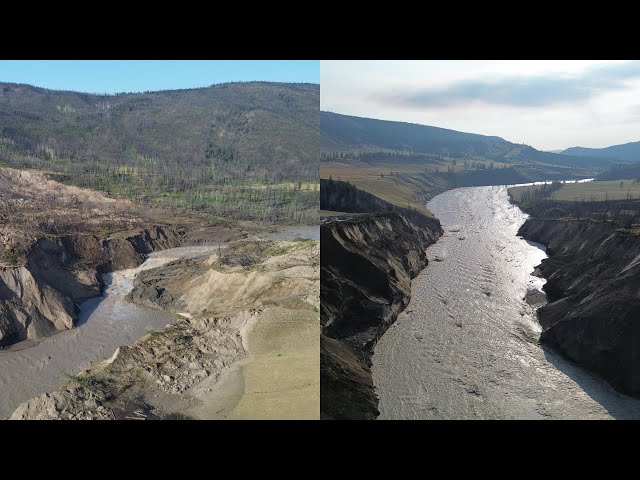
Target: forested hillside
{"points": [[241, 150], [621, 171], [382, 141]]}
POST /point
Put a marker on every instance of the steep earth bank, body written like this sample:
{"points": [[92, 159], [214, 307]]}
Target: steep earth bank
{"points": [[218, 298], [367, 264], [41, 297], [593, 280], [339, 196]]}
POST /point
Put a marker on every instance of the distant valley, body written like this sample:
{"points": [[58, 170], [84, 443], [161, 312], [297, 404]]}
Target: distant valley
{"points": [[407, 164]]}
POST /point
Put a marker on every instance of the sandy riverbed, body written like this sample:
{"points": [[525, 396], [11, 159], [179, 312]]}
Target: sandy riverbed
{"points": [[278, 378]]}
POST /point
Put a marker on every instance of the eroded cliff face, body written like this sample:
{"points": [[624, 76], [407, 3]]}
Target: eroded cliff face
{"points": [[367, 264], [41, 297], [593, 288], [29, 309], [219, 300]]}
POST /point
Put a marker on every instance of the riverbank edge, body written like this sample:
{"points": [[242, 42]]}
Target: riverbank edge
{"points": [[367, 264], [80, 399], [587, 275], [42, 297]]}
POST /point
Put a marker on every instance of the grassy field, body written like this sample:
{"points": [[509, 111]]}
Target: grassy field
{"points": [[518, 192], [588, 191], [616, 201], [408, 187], [412, 185], [599, 191]]}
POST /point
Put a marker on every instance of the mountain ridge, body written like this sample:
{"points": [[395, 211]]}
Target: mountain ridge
{"points": [[213, 85], [345, 132], [625, 152]]}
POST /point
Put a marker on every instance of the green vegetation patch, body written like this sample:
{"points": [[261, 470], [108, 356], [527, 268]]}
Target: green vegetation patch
{"points": [[242, 151], [9, 257], [89, 382], [303, 242], [275, 251], [154, 336]]}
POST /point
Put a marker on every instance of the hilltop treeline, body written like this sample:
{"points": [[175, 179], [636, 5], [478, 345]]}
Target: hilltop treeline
{"points": [[342, 133], [241, 150], [621, 171]]}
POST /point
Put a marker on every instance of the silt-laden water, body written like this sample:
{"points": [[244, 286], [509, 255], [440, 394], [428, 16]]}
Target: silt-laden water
{"points": [[466, 347]]}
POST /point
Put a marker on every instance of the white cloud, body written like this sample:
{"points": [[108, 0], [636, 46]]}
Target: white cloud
{"points": [[547, 104]]}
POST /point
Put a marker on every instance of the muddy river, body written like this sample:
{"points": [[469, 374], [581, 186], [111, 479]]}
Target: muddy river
{"points": [[466, 347], [105, 323]]}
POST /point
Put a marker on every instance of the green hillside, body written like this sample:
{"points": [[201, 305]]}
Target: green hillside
{"points": [[245, 150]]}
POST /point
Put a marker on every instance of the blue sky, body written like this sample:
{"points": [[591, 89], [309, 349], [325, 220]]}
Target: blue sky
{"points": [[112, 76], [548, 104]]}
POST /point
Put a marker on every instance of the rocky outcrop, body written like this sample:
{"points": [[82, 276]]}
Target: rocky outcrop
{"points": [[242, 276], [593, 280], [367, 265], [41, 297], [29, 309], [344, 197]]}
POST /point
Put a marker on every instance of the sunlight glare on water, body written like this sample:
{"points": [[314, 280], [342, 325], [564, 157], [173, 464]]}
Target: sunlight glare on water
{"points": [[466, 345]]}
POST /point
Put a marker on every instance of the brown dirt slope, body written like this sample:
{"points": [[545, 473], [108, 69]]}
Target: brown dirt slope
{"points": [[367, 265], [593, 279], [220, 299]]}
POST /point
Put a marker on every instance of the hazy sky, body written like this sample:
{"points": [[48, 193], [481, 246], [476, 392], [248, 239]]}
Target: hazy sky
{"points": [[548, 104], [113, 76]]}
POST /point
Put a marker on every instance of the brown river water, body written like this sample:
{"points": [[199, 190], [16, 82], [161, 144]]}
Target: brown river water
{"points": [[466, 346], [105, 323]]}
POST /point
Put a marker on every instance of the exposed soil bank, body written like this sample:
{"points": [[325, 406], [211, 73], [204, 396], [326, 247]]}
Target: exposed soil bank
{"points": [[593, 280], [43, 296], [367, 264], [104, 323], [174, 372], [281, 379]]}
